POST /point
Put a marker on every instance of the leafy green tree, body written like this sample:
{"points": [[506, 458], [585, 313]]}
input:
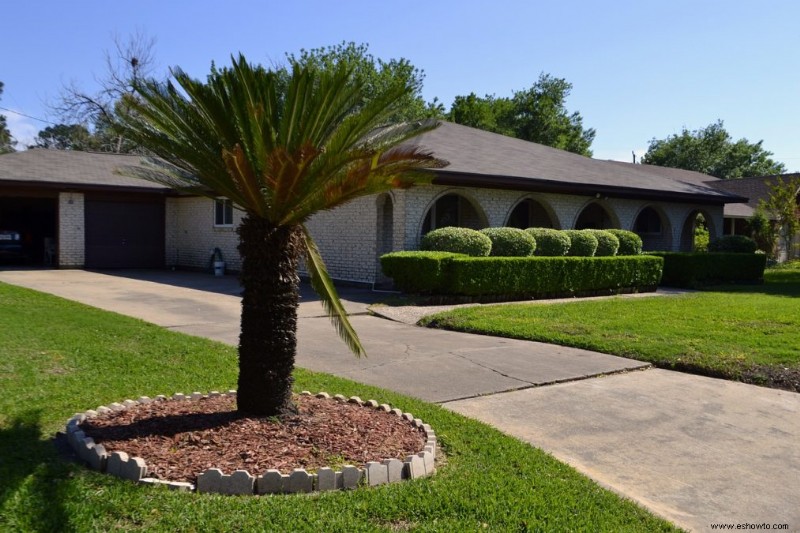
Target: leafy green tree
{"points": [[66, 137], [281, 149], [376, 76], [539, 115], [536, 114], [7, 142], [487, 113], [763, 232], [781, 205], [712, 150]]}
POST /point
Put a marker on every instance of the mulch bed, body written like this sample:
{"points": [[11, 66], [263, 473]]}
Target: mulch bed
{"points": [[180, 439]]}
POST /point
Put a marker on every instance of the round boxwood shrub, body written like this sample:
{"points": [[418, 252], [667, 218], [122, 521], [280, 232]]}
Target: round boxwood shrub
{"points": [[510, 242], [629, 242], [735, 244], [582, 243], [550, 242], [607, 243], [457, 240]]}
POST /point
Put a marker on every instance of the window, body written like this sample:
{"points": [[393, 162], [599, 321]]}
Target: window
{"points": [[648, 222], [223, 212]]}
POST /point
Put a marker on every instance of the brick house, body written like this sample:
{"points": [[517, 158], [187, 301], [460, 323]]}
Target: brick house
{"points": [[755, 190], [96, 218]]}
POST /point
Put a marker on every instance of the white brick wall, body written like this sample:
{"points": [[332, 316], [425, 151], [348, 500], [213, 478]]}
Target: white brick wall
{"points": [[350, 237], [71, 230], [194, 235]]}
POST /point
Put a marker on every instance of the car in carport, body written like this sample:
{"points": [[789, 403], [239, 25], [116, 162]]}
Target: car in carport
{"points": [[11, 246]]}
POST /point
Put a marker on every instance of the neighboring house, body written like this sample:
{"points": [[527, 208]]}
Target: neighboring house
{"points": [[99, 219], [755, 189]]}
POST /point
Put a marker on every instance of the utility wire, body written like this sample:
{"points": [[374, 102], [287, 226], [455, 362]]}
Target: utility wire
{"points": [[27, 116]]}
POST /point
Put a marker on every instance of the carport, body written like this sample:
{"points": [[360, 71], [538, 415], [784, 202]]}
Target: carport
{"points": [[75, 209], [34, 218]]}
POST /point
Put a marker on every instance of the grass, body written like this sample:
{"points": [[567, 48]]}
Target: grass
{"points": [[748, 333], [59, 357]]}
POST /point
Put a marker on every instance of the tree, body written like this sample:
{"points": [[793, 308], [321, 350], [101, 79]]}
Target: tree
{"points": [[485, 113], [66, 137], [7, 142], [131, 62], [537, 114], [280, 149], [711, 150], [376, 76], [781, 206], [763, 232]]}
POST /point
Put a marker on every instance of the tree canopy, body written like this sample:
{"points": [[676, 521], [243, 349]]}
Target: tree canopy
{"points": [[712, 150], [375, 75], [7, 142], [66, 137], [536, 114]]}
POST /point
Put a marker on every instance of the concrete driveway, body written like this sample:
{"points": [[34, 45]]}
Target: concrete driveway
{"points": [[695, 450]]}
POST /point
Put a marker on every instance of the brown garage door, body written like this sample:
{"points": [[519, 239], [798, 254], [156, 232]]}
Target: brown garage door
{"points": [[124, 232]]}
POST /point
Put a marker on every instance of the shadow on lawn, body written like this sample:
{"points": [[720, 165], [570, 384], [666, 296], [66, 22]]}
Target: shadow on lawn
{"points": [[32, 477]]}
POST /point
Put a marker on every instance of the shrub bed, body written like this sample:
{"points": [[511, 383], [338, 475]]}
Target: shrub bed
{"points": [[542, 277], [736, 244], [607, 242], [457, 240], [693, 269], [583, 243], [510, 242], [550, 242], [629, 242], [416, 272], [507, 278]]}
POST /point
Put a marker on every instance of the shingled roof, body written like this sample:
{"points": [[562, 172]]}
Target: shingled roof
{"points": [[484, 159], [477, 158], [755, 189], [72, 169]]}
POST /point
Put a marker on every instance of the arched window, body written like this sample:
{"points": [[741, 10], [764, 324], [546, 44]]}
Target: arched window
{"points": [[529, 214], [648, 222], [594, 216], [452, 210]]}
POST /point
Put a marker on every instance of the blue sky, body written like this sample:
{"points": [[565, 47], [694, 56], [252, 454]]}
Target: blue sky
{"points": [[639, 69]]}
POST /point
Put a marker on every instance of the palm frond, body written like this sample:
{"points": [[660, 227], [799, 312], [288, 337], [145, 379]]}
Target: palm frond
{"points": [[323, 285]]}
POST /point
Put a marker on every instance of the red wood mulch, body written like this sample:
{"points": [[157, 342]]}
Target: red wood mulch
{"points": [[180, 439]]}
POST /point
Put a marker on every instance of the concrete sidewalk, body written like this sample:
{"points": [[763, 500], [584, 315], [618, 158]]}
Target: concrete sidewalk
{"points": [[692, 449]]}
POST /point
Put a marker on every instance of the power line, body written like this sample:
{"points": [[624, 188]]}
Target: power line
{"points": [[27, 116]]}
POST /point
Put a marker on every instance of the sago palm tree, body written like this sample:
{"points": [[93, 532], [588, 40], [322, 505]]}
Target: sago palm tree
{"points": [[281, 146]]}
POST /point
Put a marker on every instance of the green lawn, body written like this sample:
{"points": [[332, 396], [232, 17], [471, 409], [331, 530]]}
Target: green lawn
{"points": [[59, 357], [749, 333]]}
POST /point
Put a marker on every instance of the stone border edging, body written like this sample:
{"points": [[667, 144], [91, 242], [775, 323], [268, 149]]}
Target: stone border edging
{"points": [[272, 481]]}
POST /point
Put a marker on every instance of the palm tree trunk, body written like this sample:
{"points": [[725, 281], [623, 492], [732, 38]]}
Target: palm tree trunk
{"points": [[268, 341]]}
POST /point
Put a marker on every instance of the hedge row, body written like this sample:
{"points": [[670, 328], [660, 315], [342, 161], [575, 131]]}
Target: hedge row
{"points": [[513, 242], [416, 272], [520, 277], [692, 269]]}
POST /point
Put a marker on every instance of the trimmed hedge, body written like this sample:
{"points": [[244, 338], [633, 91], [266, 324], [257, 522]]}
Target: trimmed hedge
{"points": [[607, 243], [693, 269], [550, 242], [510, 242], [416, 272], [582, 243], [629, 242], [548, 276], [735, 244], [457, 240], [497, 278]]}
